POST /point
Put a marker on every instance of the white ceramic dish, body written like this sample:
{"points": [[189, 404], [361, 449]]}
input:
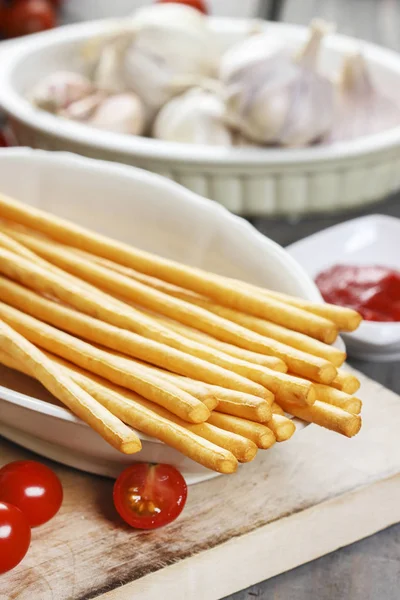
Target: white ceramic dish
{"points": [[245, 180], [371, 240], [155, 214]]}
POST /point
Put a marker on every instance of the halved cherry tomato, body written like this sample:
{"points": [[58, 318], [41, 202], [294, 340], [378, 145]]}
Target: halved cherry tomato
{"points": [[28, 16], [33, 488], [149, 496], [198, 4], [15, 536]]}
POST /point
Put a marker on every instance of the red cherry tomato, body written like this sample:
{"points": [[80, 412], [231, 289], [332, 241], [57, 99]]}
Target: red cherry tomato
{"points": [[33, 488], [198, 4], [28, 16], [3, 140], [15, 536], [149, 496]]}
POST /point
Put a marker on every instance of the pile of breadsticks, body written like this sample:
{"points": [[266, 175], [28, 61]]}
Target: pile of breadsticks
{"points": [[131, 341]]}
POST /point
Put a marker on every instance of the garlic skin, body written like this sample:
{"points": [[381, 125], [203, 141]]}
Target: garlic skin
{"points": [[362, 109], [122, 113], [58, 90], [274, 98], [195, 117], [83, 109], [159, 44]]}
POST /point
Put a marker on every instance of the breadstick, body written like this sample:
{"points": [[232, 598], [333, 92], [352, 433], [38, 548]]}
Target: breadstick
{"points": [[328, 416], [347, 382], [241, 405], [242, 448], [224, 291], [229, 401], [8, 241], [195, 388], [292, 388], [109, 336], [338, 398], [144, 416], [261, 435], [277, 410], [150, 298], [119, 370], [264, 327], [282, 427], [271, 362], [190, 386], [345, 319], [118, 314], [302, 363], [69, 393]]}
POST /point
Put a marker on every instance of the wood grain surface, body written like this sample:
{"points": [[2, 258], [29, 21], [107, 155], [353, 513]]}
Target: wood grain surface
{"points": [[86, 550]]}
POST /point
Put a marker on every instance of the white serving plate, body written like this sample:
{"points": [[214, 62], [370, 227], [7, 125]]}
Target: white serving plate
{"points": [[245, 180], [154, 214], [371, 240]]}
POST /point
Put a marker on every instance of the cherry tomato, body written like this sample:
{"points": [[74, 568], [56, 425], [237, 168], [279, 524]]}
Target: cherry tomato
{"points": [[15, 536], [198, 4], [33, 488], [3, 140], [28, 16], [149, 496]]}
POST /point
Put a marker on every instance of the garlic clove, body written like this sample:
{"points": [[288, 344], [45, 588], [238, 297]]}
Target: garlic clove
{"points": [[83, 109], [362, 109], [153, 47], [309, 54], [107, 73], [274, 98], [195, 117], [122, 113], [181, 16], [60, 89], [247, 52], [156, 45]]}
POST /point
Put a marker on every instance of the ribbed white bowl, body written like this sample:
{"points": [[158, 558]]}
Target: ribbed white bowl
{"points": [[251, 181], [154, 214]]}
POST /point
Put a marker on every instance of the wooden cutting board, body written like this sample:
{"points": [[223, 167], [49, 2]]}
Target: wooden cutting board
{"points": [[296, 502]]}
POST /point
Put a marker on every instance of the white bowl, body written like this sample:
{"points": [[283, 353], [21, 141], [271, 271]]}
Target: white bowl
{"points": [[371, 240], [101, 9], [154, 214], [245, 180]]}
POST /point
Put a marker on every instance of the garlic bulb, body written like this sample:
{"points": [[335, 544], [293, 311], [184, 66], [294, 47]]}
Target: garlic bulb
{"points": [[160, 43], [195, 117], [362, 109], [83, 109], [60, 89], [274, 98], [122, 113]]}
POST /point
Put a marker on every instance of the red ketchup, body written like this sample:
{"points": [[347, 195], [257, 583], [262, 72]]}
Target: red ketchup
{"points": [[373, 291]]}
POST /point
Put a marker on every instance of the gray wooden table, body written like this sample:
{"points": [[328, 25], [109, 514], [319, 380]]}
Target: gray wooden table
{"points": [[370, 569]]}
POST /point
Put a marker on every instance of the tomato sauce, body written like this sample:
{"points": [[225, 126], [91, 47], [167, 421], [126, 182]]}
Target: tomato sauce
{"points": [[374, 291]]}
